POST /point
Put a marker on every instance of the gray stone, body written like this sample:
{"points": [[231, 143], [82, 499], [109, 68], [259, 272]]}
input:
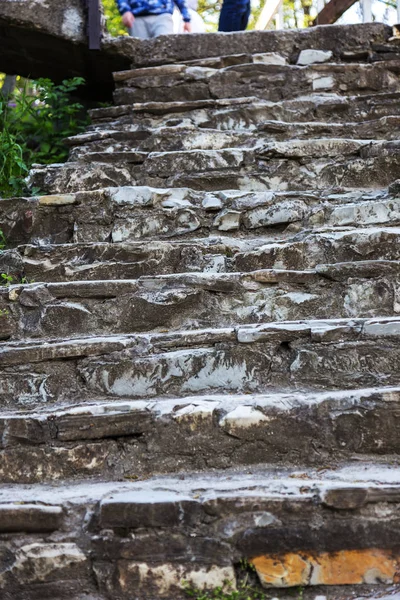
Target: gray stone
{"points": [[30, 518], [311, 56], [162, 509]]}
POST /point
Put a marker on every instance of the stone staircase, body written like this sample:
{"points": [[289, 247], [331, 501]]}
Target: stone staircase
{"points": [[200, 365]]}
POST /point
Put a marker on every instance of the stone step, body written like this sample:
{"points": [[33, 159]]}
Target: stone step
{"points": [[245, 114], [197, 300], [164, 139], [263, 527], [287, 165], [194, 68], [178, 138], [352, 42], [266, 81], [377, 52], [135, 438], [122, 214], [130, 260], [344, 353], [123, 260], [384, 128], [329, 246]]}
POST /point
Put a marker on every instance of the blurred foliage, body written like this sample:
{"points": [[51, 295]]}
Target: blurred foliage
{"points": [[209, 10], [113, 18], [297, 13], [34, 121]]}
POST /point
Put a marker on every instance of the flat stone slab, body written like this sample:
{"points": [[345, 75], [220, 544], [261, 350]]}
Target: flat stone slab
{"points": [[286, 43], [229, 513], [192, 300], [116, 438], [348, 353]]}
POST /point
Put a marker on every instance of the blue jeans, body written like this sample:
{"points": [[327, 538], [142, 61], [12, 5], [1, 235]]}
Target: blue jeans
{"points": [[234, 15]]}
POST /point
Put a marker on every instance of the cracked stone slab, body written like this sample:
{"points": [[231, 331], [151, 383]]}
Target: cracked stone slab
{"points": [[350, 353], [285, 82], [68, 442]]}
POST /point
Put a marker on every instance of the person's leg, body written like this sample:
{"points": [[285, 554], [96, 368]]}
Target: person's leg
{"points": [[140, 28], [231, 16], [161, 25], [245, 17]]}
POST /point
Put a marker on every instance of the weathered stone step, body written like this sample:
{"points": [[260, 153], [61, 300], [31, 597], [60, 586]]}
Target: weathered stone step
{"points": [[137, 438], [383, 128], [164, 139], [314, 248], [344, 42], [269, 82], [123, 260], [246, 114], [344, 353], [177, 138], [386, 51], [291, 165], [303, 58], [122, 214], [294, 527], [196, 300]]}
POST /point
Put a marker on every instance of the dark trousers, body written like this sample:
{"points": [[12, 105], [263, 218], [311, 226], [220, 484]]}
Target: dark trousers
{"points": [[234, 15]]}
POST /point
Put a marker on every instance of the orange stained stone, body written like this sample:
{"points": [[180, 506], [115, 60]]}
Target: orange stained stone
{"points": [[283, 571], [328, 568]]}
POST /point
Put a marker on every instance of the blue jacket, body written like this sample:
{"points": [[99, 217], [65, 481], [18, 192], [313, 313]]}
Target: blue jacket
{"points": [[153, 7]]}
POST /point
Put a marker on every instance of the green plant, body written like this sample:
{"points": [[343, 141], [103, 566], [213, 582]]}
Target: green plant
{"points": [[12, 164], [227, 592], [6, 279], [113, 18], [34, 123], [2, 240], [4, 312], [244, 591]]}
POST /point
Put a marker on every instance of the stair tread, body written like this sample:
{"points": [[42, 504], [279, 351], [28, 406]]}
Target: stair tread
{"points": [[347, 328], [282, 483]]}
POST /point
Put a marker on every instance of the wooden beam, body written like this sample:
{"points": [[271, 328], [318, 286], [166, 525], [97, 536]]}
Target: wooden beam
{"points": [[94, 24], [332, 11], [267, 14]]}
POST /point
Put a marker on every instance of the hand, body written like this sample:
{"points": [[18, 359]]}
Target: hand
{"points": [[128, 19], [187, 26]]}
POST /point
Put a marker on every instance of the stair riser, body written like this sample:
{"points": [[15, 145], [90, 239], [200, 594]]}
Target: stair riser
{"points": [[135, 447], [317, 249], [184, 138], [187, 139], [257, 214], [266, 82], [288, 43], [227, 367], [223, 171], [252, 113], [116, 261], [43, 312], [147, 544], [130, 444]]}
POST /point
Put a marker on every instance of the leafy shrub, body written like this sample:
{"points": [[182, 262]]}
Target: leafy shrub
{"points": [[113, 18], [12, 163], [33, 125]]}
